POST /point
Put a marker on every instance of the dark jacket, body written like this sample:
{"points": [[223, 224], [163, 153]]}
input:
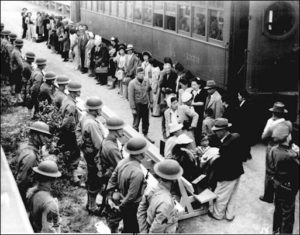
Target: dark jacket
{"points": [[169, 81], [99, 57], [200, 97], [229, 166]]}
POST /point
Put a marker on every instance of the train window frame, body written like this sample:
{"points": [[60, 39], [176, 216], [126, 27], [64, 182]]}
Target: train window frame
{"points": [[133, 12], [195, 35], [208, 25], [143, 13], [130, 19], [101, 6], [123, 10], [89, 5], [180, 31], [170, 14], [290, 32], [117, 8], [106, 12], [95, 6], [158, 12]]}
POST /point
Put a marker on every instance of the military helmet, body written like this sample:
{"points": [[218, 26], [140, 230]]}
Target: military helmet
{"points": [[41, 61], [40, 127], [114, 123], [30, 55], [19, 42], [12, 36], [168, 169], [93, 103], [74, 86], [136, 145], [62, 80], [47, 168], [50, 76]]}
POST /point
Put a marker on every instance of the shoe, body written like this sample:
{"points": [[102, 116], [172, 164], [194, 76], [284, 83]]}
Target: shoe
{"points": [[150, 140], [230, 219], [91, 75], [264, 200], [212, 216]]}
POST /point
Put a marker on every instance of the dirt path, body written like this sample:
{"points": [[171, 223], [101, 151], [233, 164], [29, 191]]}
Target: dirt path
{"points": [[252, 215]]}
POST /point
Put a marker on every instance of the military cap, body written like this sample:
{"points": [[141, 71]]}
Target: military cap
{"points": [[168, 169], [12, 36], [5, 32], [50, 76], [61, 80], [30, 55], [136, 145], [47, 168], [74, 86], [40, 127], [40, 61], [19, 42], [93, 103], [114, 123]]}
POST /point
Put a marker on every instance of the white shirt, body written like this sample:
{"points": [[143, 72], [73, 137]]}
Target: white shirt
{"points": [[222, 140], [174, 116], [243, 101]]}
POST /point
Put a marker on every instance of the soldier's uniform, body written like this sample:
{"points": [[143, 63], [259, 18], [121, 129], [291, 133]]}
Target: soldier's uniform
{"points": [[29, 156], [157, 212], [89, 138], [5, 57], [35, 83], [286, 182], [47, 88], [16, 64], [26, 74], [59, 96], [128, 178]]}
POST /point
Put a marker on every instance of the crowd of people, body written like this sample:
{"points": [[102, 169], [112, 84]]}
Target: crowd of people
{"points": [[203, 132]]}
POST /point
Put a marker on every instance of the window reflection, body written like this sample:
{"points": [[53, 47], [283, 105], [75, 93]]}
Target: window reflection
{"points": [[148, 11], [170, 16], [199, 21], [106, 7], [138, 10], [129, 9], [114, 8], [216, 23], [184, 19], [158, 13], [121, 9]]}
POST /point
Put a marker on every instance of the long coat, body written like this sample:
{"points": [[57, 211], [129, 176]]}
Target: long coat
{"points": [[214, 102]]}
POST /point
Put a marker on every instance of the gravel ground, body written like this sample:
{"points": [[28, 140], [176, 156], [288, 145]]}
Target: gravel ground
{"points": [[252, 215]]}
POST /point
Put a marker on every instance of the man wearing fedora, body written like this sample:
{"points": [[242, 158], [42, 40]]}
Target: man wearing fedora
{"points": [[89, 135], [128, 178], [16, 66], [35, 83], [29, 155], [285, 157], [175, 130], [48, 88], [228, 169], [70, 119], [59, 95], [42, 206], [26, 74], [214, 99], [157, 212], [278, 111]]}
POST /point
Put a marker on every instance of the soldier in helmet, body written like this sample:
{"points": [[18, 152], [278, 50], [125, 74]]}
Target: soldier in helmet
{"points": [[16, 65], [157, 212], [47, 88], [35, 83], [5, 57], [26, 74], [70, 116], [128, 178], [90, 135], [110, 156], [29, 155], [43, 208], [59, 95]]}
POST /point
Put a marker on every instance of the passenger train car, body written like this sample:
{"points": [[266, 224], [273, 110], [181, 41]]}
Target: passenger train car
{"points": [[239, 44]]}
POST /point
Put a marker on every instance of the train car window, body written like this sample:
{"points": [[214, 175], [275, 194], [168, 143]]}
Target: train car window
{"points": [[279, 20], [94, 6], [89, 5], [170, 16], [147, 10], [107, 7], [216, 4], [216, 23], [114, 8], [184, 18], [158, 14], [121, 9], [100, 6], [129, 7], [199, 22], [137, 11]]}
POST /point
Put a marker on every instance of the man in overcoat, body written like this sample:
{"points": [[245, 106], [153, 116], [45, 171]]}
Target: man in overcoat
{"points": [[214, 99]]}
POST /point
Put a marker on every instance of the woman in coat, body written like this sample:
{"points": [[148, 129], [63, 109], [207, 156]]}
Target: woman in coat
{"points": [[120, 60], [87, 61], [155, 70], [65, 40]]}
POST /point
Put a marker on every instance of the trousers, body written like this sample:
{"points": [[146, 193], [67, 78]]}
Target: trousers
{"points": [[224, 205], [129, 216], [142, 113]]}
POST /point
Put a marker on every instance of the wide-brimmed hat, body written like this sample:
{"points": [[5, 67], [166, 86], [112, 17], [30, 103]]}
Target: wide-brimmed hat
{"points": [[136, 145], [186, 96], [40, 61], [183, 139], [168, 169], [50, 76], [47, 168], [210, 84], [282, 131], [12, 36], [74, 86], [30, 55], [129, 47], [221, 123], [41, 127], [175, 127], [19, 42], [114, 123], [148, 53], [62, 80], [93, 103], [278, 107]]}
